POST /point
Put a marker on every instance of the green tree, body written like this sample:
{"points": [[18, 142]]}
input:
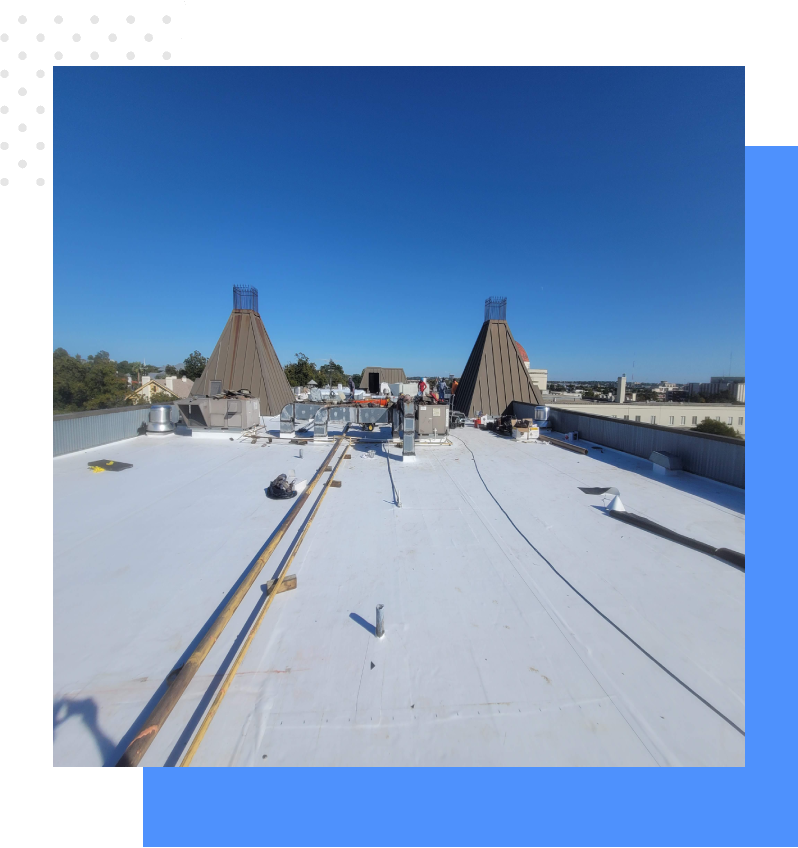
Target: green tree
{"points": [[718, 428], [301, 372], [356, 378], [93, 384], [105, 387], [332, 373], [134, 369], [170, 371], [193, 366], [69, 388], [161, 397], [101, 356]]}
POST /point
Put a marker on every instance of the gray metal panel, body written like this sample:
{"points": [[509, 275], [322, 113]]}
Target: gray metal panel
{"points": [[232, 353], [344, 413], [373, 415], [278, 391], [77, 431], [494, 375], [217, 368], [245, 359], [387, 375], [245, 339], [717, 457]]}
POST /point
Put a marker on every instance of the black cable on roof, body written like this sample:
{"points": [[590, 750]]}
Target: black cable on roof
{"points": [[595, 608]]}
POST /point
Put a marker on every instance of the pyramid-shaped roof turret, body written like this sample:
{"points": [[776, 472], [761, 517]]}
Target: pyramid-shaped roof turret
{"points": [[245, 359]]}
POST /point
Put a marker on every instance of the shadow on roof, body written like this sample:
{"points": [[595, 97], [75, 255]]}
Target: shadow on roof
{"points": [[718, 493]]}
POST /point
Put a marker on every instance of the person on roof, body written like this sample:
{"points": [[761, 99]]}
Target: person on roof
{"points": [[441, 388], [422, 387], [352, 388]]}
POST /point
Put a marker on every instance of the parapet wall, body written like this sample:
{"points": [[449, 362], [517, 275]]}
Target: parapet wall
{"points": [[717, 457]]}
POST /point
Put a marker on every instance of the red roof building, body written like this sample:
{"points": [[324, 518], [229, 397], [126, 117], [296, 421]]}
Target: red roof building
{"points": [[524, 357]]}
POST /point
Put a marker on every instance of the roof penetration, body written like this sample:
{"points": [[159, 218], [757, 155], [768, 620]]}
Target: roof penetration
{"points": [[244, 358], [495, 374]]}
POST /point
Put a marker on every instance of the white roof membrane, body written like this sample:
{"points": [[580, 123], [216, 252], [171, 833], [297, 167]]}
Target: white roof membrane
{"points": [[523, 626]]}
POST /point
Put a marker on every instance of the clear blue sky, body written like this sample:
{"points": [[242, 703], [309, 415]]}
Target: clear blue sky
{"points": [[375, 209]]}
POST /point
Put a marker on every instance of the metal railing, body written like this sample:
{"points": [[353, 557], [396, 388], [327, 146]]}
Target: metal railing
{"points": [[496, 309], [245, 297], [76, 431]]}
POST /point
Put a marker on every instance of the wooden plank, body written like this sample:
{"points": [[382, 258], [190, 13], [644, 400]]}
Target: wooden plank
{"points": [[154, 721], [336, 484], [288, 583]]}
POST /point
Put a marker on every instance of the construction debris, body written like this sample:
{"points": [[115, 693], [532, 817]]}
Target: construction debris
{"points": [[281, 488]]}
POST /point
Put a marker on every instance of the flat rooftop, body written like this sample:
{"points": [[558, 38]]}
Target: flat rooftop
{"points": [[523, 625]]}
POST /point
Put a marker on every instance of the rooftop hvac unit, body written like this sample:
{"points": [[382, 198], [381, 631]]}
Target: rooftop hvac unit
{"points": [[220, 413], [432, 420]]}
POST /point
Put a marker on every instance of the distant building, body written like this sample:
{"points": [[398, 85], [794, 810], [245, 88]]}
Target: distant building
{"points": [[735, 386], [177, 387], [539, 376], [684, 415], [620, 389]]}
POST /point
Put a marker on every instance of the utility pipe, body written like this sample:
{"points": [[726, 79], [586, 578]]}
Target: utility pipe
{"points": [[200, 735], [154, 722]]}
